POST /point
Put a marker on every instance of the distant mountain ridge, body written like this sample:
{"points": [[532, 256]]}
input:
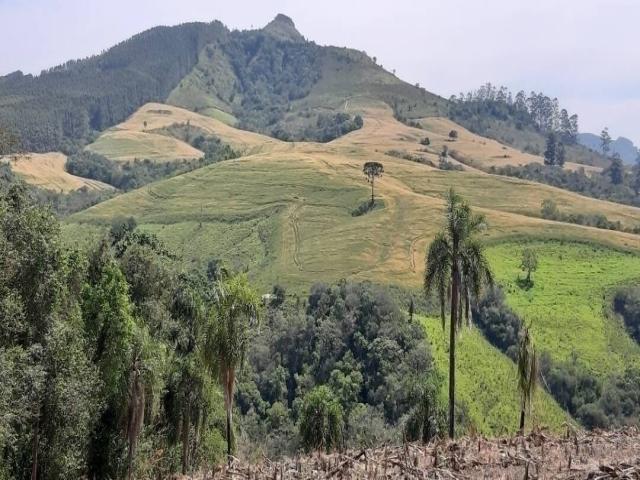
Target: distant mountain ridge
{"points": [[623, 146]]}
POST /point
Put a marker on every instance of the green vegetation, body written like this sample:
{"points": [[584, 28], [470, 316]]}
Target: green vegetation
{"points": [[131, 175], [567, 306], [626, 303], [456, 270], [344, 368], [65, 104], [486, 385], [593, 185]]}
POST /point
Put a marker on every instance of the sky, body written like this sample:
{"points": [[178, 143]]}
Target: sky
{"points": [[585, 52]]}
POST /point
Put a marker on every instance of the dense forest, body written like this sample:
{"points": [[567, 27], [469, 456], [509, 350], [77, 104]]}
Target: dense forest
{"points": [[110, 361], [67, 103]]}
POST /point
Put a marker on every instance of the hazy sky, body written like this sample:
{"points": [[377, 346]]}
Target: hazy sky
{"points": [[585, 52]]}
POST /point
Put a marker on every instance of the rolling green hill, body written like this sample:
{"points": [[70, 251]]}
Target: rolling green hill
{"points": [[304, 119], [285, 212]]}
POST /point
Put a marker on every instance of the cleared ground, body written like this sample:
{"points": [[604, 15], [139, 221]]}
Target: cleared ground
{"points": [[573, 456], [46, 170]]}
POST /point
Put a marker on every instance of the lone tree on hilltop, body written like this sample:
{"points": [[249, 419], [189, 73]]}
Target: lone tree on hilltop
{"points": [[527, 374], [457, 269], [372, 170], [529, 263]]}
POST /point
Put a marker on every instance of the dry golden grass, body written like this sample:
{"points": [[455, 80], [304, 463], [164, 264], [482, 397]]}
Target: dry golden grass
{"points": [[157, 115], [46, 170], [306, 192], [129, 145]]}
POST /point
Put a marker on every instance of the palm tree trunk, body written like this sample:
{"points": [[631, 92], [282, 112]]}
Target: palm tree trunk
{"points": [[452, 349], [229, 435], [34, 450], [186, 423], [228, 391]]}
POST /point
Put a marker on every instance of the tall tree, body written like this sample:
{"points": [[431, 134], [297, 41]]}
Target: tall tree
{"points": [[456, 266], [550, 151], [372, 170], [529, 263], [561, 154], [616, 169], [527, 373], [605, 141], [235, 314]]}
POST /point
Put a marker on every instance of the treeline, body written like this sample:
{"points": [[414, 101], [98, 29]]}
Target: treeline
{"points": [[131, 175], [614, 183], [64, 105], [533, 110], [549, 210], [346, 347], [626, 303], [62, 204]]}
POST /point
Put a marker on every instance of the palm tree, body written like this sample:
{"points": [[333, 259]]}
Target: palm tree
{"points": [[235, 314], [527, 373], [456, 269]]}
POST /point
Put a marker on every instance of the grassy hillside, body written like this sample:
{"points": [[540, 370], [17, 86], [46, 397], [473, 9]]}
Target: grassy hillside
{"points": [[487, 384], [47, 170], [568, 304], [285, 211]]}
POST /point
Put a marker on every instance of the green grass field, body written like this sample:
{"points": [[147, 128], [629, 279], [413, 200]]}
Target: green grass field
{"points": [[486, 383], [568, 304]]}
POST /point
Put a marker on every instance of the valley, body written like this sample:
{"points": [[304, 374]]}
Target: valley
{"points": [[218, 268]]}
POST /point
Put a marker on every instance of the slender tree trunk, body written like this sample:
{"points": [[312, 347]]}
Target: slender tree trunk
{"points": [[372, 198], [455, 290], [34, 450], [521, 421], [228, 389], [229, 435], [186, 424]]}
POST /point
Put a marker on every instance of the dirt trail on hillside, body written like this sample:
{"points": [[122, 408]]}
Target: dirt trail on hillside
{"points": [[536, 456]]}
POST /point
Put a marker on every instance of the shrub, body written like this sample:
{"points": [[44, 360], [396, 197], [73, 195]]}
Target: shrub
{"points": [[321, 421]]}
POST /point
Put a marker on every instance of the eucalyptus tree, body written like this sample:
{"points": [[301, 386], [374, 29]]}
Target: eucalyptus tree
{"points": [[235, 314], [456, 268]]}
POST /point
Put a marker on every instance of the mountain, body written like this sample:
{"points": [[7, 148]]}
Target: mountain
{"points": [[269, 80], [623, 146]]}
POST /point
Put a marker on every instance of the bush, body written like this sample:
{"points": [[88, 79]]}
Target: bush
{"points": [[499, 324], [626, 302], [321, 421]]}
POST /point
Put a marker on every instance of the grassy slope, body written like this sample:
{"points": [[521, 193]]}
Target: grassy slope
{"points": [[284, 212], [47, 170], [486, 383], [567, 304]]}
